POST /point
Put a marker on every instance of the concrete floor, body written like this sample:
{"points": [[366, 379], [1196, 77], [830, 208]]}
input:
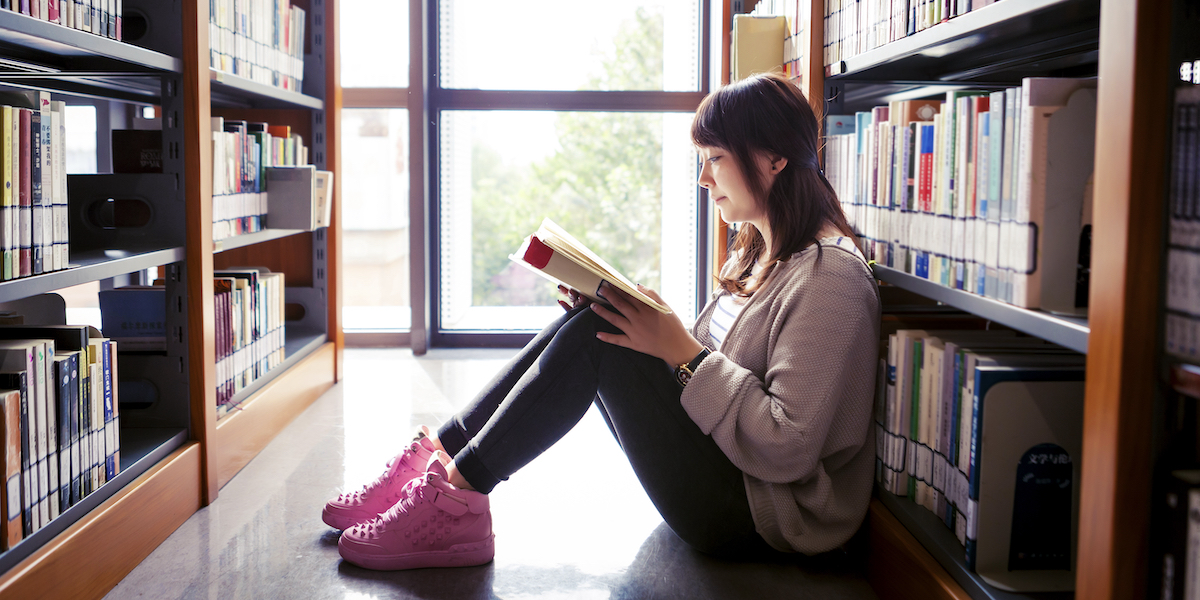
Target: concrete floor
{"points": [[558, 535]]}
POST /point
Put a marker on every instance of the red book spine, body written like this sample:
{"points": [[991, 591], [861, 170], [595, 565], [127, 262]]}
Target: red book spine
{"points": [[538, 254], [52, 11], [925, 191]]}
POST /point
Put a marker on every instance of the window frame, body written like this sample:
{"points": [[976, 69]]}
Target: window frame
{"points": [[425, 100]]}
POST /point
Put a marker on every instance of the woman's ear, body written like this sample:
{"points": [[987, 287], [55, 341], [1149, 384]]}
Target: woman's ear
{"points": [[777, 164]]}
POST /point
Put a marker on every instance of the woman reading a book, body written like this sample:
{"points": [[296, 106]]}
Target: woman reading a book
{"points": [[750, 433]]}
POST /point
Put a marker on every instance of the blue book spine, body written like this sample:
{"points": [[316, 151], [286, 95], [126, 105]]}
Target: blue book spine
{"points": [[111, 435]]}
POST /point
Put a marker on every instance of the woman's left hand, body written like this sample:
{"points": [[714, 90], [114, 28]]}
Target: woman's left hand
{"points": [[644, 328]]}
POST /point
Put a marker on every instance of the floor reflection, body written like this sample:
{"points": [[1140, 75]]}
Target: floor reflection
{"points": [[559, 533]]}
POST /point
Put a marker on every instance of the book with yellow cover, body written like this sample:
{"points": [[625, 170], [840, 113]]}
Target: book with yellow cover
{"points": [[556, 255]]}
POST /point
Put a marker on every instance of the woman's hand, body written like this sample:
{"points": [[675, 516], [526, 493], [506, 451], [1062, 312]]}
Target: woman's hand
{"points": [[645, 329], [576, 299]]}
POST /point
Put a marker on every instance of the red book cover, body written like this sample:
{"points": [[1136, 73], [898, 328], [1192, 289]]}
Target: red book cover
{"points": [[925, 164], [25, 196], [979, 104]]}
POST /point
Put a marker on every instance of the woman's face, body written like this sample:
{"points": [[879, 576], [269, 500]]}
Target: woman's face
{"points": [[727, 187]]}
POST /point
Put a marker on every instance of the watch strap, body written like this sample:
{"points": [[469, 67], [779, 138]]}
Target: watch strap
{"points": [[684, 372]]}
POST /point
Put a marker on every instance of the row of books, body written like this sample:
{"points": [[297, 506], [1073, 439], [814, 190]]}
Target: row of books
{"points": [[794, 22], [1175, 573], [853, 27], [33, 213], [984, 429], [1183, 255], [101, 17], [242, 153], [983, 191], [260, 40], [61, 427], [249, 311], [249, 314]]}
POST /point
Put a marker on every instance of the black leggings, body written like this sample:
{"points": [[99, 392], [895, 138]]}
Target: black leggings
{"points": [[547, 388]]}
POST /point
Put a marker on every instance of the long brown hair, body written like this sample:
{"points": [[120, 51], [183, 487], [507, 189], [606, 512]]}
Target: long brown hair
{"points": [[768, 114]]}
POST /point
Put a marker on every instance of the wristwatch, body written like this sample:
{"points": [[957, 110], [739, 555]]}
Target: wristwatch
{"points": [[684, 372]]}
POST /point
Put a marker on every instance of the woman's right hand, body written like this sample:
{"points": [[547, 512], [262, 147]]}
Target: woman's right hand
{"points": [[576, 299]]}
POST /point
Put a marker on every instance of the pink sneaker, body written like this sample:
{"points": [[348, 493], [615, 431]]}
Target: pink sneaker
{"points": [[435, 525], [350, 509]]}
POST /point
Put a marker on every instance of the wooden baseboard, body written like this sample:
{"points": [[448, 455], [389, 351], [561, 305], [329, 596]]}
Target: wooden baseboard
{"points": [[242, 434], [899, 568], [98, 551]]}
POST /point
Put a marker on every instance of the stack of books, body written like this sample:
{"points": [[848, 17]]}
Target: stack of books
{"points": [[242, 153], [100, 17], [248, 305], [853, 27], [59, 422], [983, 191], [985, 430], [260, 40], [1183, 253], [33, 211]]}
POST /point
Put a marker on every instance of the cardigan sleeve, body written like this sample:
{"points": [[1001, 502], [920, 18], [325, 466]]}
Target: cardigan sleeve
{"points": [[816, 341]]}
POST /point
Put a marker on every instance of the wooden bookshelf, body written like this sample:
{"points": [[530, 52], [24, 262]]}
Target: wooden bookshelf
{"points": [[175, 454], [1126, 45]]}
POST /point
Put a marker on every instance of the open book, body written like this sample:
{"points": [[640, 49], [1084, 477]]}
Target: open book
{"points": [[556, 255]]}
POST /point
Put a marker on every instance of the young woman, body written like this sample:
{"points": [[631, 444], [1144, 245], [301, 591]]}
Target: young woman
{"points": [[750, 433]]}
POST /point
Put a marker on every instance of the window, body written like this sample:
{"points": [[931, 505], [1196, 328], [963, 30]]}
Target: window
{"points": [[375, 253], [569, 46], [375, 167], [587, 125], [607, 177]]}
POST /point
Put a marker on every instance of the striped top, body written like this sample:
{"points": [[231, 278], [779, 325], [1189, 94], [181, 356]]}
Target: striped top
{"points": [[729, 306]]}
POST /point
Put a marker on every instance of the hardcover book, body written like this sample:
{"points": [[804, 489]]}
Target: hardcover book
{"points": [[1024, 483], [556, 255], [10, 489]]}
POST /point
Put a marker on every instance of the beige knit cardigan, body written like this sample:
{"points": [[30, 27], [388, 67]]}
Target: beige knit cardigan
{"points": [[788, 397]]}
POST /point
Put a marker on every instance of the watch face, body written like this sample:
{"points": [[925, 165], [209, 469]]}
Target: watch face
{"points": [[683, 376]]}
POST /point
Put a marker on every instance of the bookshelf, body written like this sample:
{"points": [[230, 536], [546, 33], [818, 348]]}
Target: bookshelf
{"points": [[1069, 332], [175, 453], [1126, 44]]}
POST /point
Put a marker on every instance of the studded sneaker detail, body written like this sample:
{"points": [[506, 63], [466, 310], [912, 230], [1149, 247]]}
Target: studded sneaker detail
{"points": [[352, 508], [435, 524]]}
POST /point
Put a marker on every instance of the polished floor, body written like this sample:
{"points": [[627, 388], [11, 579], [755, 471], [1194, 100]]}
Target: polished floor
{"points": [[572, 524]]}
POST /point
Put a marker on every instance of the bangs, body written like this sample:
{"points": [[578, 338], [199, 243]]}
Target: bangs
{"points": [[707, 129]]}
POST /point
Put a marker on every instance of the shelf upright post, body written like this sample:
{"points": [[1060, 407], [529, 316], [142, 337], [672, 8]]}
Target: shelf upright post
{"points": [[172, 118], [198, 281], [322, 75], [1131, 151]]}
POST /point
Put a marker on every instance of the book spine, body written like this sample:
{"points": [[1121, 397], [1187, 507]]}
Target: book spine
{"points": [[27, 449], [37, 244], [110, 436], [7, 206], [114, 448], [13, 531], [47, 161], [64, 406], [25, 196]]}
